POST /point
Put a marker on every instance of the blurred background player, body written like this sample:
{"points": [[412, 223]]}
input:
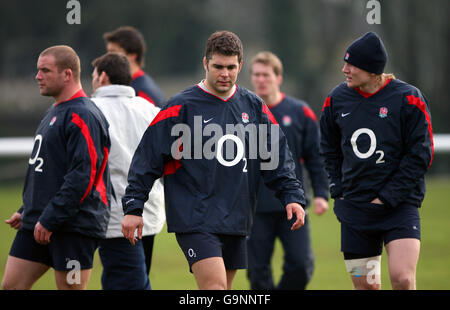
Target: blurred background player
{"points": [[130, 42], [377, 142], [124, 265], [67, 189], [301, 129], [209, 204]]}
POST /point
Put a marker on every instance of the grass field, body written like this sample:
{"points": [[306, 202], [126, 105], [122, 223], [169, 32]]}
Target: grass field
{"points": [[170, 270]]}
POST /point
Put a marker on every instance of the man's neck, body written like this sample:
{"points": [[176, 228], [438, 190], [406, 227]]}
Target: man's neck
{"points": [[373, 86], [68, 92], [273, 99], [134, 68], [217, 94]]}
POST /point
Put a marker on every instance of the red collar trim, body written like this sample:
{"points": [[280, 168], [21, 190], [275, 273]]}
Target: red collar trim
{"points": [[367, 95], [78, 94], [137, 74], [283, 95], [231, 96]]}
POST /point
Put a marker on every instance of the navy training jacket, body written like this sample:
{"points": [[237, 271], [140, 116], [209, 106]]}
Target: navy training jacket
{"points": [[300, 126], [203, 194], [67, 187], [377, 145], [146, 88]]}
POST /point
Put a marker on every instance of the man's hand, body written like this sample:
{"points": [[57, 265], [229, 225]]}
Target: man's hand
{"points": [[377, 201], [129, 225], [41, 234], [320, 205], [295, 208], [15, 221]]}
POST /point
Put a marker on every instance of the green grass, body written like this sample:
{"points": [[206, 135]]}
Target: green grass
{"points": [[170, 269]]}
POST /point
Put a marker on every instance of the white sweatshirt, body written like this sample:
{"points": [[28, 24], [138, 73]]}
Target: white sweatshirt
{"points": [[128, 117]]}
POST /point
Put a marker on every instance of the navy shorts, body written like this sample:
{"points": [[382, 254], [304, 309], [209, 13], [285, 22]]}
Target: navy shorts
{"points": [[364, 237], [63, 253], [197, 246]]}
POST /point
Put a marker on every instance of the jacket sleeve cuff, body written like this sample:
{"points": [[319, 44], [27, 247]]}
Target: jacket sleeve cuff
{"points": [[293, 197], [133, 207], [335, 190]]}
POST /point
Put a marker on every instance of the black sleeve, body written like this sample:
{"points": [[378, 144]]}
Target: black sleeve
{"points": [[149, 159], [418, 134], [280, 176], [330, 148], [85, 154], [312, 159]]}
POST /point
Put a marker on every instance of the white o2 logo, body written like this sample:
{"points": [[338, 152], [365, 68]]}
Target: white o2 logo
{"points": [[239, 155], [373, 145], [36, 157]]}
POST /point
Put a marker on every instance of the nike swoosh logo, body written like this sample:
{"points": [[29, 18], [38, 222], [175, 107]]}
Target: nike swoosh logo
{"points": [[126, 203], [345, 114], [206, 121]]}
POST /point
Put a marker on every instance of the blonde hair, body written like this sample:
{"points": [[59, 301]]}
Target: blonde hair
{"points": [[388, 76], [269, 59], [65, 58]]}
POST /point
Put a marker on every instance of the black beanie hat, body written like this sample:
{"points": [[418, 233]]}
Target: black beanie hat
{"points": [[367, 53]]}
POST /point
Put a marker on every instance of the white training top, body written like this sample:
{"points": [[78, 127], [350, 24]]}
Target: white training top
{"points": [[128, 117]]}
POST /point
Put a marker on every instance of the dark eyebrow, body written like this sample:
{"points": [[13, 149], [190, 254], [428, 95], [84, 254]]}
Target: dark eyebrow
{"points": [[222, 66]]}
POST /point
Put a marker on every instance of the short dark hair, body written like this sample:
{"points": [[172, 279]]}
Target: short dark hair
{"points": [[116, 67], [65, 58], [130, 39], [225, 43]]}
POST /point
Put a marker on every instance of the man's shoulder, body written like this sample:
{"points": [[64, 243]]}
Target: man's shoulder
{"points": [[404, 88], [341, 89], [294, 102], [248, 94]]}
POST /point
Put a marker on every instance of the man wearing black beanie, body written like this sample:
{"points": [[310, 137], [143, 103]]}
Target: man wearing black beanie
{"points": [[377, 143]]}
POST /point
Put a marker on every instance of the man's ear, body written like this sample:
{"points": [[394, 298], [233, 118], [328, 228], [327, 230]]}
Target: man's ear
{"points": [[279, 79], [240, 65], [205, 64], [68, 74], [103, 79]]}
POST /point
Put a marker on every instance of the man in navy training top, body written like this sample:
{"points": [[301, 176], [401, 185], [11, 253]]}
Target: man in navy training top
{"points": [[129, 41], [67, 189], [377, 142], [299, 124], [210, 200]]}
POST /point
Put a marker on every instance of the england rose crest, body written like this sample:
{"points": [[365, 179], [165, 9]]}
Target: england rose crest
{"points": [[244, 117], [383, 112]]}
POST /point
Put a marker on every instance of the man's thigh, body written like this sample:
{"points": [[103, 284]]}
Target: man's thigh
{"points": [[21, 274], [72, 280]]}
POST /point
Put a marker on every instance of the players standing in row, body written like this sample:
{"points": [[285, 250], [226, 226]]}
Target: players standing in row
{"points": [[376, 139]]}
